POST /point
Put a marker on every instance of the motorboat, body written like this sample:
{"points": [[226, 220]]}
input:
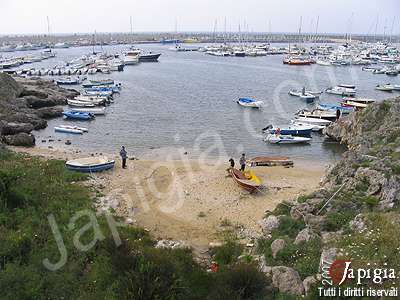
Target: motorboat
{"points": [[94, 111], [312, 121], [85, 116], [91, 99], [385, 87], [359, 100], [308, 97], [80, 103], [93, 83], [248, 102], [314, 127], [149, 57], [323, 62], [342, 91], [286, 139], [293, 129], [131, 58], [90, 164]]}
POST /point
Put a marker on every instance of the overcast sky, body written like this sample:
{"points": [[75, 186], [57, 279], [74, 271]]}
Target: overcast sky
{"points": [[335, 16]]}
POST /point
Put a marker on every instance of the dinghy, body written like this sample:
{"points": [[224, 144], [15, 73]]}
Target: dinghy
{"points": [[67, 130], [318, 114], [315, 128], [290, 130], [68, 81], [92, 83], [91, 99], [90, 164], [308, 97], [342, 91], [286, 139], [247, 102], [78, 115], [247, 181]]}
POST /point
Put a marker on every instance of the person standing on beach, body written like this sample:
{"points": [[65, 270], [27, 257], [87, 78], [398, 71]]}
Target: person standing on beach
{"points": [[242, 162], [123, 155]]}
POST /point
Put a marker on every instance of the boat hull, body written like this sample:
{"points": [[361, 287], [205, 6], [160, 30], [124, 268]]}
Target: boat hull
{"points": [[91, 169]]}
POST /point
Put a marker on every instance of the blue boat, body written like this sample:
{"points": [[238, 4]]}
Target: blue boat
{"points": [[290, 130], [90, 164], [248, 102], [332, 107], [78, 115]]}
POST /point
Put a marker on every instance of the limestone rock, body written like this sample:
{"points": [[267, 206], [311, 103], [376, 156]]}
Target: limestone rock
{"points": [[316, 223], [308, 283], [14, 128], [277, 246], [358, 223], [287, 280], [304, 236], [269, 224]]}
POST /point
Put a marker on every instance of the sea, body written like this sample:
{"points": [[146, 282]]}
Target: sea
{"points": [[187, 103]]}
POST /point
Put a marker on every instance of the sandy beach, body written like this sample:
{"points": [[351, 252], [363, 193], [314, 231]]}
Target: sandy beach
{"points": [[191, 200]]}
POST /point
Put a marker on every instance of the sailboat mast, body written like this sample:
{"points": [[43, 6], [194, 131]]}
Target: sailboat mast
{"points": [[316, 29], [300, 24]]}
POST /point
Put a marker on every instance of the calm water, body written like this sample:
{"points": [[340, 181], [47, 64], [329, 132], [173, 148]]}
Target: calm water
{"points": [[187, 100]]}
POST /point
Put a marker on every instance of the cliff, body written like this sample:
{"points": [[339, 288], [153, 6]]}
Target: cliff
{"points": [[25, 105]]}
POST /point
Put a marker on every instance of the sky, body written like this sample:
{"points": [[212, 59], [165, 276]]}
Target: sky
{"points": [[82, 16]]}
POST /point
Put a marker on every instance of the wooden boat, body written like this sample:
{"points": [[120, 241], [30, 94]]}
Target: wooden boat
{"points": [[333, 108], [247, 102], [354, 104], [68, 81], [293, 129], [249, 183], [359, 100], [286, 139], [271, 161], [90, 164]]}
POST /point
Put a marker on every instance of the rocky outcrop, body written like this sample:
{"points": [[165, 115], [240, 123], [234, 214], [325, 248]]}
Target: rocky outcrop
{"points": [[287, 280], [304, 236], [277, 246], [25, 105], [269, 224]]}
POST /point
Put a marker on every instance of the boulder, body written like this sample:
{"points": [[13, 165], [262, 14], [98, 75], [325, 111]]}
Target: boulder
{"points": [[277, 246], [358, 223], [35, 102], [308, 283], [262, 265], [287, 280], [298, 211], [304, 236], [376, 179], [390, 193], [269, 224], [316, 223], [14, 128], [49, 112], [20, 139], [9, 88], [35, 92]]}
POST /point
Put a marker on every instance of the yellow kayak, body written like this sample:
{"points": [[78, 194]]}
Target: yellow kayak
{"points": [[251, 176]]}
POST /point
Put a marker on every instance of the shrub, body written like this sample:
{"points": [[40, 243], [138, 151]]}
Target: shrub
{"points": [[337, 220]]}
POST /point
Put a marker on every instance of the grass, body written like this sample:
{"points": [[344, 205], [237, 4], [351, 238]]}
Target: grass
{"points": [[32, 189]]}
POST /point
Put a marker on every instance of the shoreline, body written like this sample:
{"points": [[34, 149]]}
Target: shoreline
{"points": [[189, 200]]}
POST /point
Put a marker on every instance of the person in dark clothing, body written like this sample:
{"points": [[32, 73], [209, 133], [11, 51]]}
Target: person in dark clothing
{"points": [[338, 113], [243, 162], [232, 162], [123, 155]]}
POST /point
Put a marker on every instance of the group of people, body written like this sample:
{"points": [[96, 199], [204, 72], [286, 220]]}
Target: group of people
{"points": [[242, 162]]}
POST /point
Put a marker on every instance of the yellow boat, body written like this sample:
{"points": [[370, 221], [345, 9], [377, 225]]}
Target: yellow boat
{"points": [[252, 177]]}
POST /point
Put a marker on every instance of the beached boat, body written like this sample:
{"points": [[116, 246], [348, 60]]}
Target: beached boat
{"points": [[90, 164], [342, 91], [271, 161], [293, 129], [248, 102], [97, 100], [286, 139], [91, 110], [67, 130], [85, 116], [250, 182], [312, 121], [385, 87]]}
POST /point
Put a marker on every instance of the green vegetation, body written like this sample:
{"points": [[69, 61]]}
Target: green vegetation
{"points": [[31, 190]]}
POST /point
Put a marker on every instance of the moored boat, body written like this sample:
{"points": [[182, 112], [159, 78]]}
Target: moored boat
{"points": [[90, 164], [332, 107], [91, 110], [293, 129], [342, 91], [248, 102], [149, 57], [312, 121], [78, 115], [318, 114], [286, 139], [67, 130], [385, 87]]}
